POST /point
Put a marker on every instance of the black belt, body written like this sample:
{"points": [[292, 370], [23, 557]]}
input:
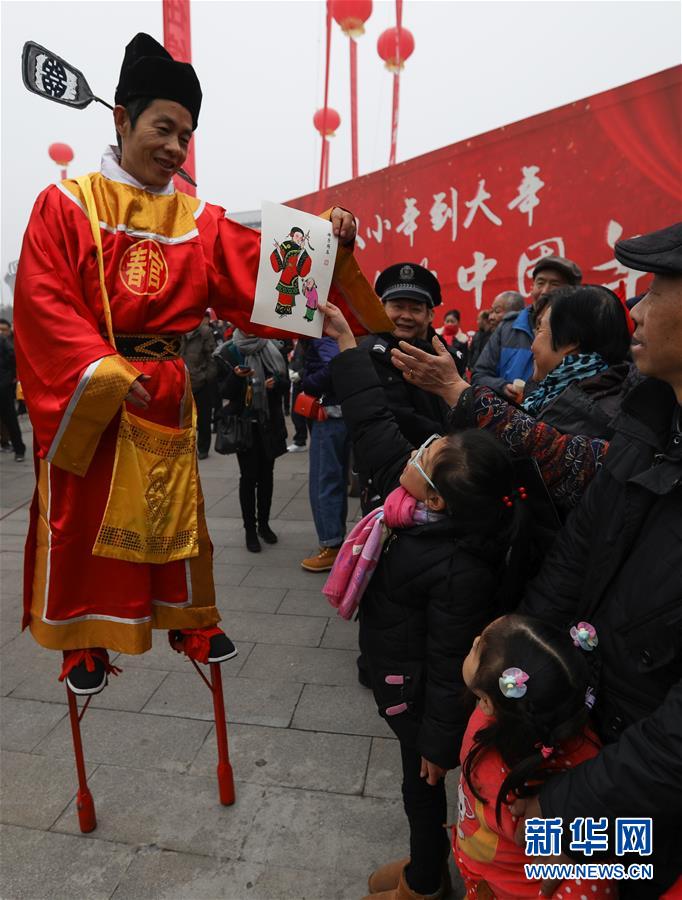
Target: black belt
{"points": [[144, 347]]}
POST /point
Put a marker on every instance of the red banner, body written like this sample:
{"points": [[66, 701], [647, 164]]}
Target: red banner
{"points": [[570, 182], [177, 39]]}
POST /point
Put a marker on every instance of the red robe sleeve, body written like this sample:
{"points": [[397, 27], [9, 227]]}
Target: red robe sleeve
{"points": [[73, 380]]}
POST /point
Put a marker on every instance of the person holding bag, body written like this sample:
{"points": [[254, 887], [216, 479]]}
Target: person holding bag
{"points": [[252, 377]]}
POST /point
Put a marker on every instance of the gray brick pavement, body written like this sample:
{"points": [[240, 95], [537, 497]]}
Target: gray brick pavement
{"points": [[317, 771]]}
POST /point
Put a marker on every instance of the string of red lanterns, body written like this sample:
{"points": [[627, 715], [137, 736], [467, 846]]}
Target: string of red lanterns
{"points": [[351, 15], [394, 46]]}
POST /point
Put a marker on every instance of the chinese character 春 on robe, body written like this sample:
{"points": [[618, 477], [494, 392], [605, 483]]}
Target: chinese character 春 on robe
{"points": [[167, 256]]}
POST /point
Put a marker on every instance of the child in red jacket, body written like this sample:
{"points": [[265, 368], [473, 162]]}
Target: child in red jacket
{"points": [[530, 721]]}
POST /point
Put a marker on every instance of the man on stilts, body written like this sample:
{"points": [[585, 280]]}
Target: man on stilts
{"points": [[115, 267]]}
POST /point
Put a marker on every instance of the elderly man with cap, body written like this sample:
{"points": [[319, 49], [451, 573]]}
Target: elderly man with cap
{"points": [[410, 293], [507, 355], [614, 575], [115, 268]]}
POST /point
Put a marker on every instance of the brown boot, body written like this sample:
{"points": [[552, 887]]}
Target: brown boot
{"points": [[323, 561], [386, 878], [404, 892]]}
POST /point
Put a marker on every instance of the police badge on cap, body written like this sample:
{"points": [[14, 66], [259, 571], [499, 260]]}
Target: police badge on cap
{"points": [[409, 281]]}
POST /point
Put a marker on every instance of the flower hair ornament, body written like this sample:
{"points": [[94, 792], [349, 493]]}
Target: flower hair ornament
{"points": [[513, 683], [584, 636]]}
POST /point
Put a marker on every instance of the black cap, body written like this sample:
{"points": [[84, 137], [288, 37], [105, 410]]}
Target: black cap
{"points": [[659, 252], [567, 267], [410, 281], [150, 71]]}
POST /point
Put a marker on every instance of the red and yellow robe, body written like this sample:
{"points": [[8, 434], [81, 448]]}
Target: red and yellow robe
{"points": [[166, 258]]}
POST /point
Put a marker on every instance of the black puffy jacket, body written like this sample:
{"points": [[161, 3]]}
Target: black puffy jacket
{"points": [[433, 590], [618, 565]]}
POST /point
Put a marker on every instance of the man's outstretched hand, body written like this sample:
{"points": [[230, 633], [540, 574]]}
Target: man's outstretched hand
{"points": [[343, 224], [437, 374]]}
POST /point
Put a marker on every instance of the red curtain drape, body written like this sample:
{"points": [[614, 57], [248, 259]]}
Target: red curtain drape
{"points": [[647, 130]]}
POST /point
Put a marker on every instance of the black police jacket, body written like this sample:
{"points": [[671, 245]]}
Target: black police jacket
{"points": [[432, 592], [618, 565], [418, 414]]}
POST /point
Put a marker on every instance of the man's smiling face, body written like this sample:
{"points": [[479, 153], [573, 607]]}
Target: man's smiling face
{"points": [[156, 147]]}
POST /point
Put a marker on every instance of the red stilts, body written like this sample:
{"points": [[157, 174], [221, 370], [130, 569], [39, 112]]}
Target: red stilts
{"points": [[225, 777], [84, 802]]}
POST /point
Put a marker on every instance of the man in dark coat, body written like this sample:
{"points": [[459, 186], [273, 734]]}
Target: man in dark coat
{"points": [[8, 386], [410, 293], [618, 565]]}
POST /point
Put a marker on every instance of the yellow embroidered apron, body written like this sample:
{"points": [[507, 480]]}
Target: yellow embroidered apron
{"points": [[151, 512]]}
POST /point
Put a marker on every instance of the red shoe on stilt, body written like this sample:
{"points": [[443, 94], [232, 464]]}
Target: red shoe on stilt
{"points": [[86, 671], [204, 645]]}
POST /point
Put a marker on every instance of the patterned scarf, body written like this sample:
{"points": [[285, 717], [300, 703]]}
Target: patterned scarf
{"points": [[359, 555], [260, 355], [574, 367]]}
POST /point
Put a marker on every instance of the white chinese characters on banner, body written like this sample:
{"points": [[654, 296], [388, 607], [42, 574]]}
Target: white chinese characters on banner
{"points": [[378, 232], [408, 226], [477, 203], [531, 256], [622, 275], [440, 212], [527, 197], [473, 278]]}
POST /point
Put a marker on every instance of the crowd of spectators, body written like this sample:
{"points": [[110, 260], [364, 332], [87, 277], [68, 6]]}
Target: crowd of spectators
{"points": [[564, 411]]}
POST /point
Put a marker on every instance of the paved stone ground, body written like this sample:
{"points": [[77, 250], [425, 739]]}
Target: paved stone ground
{"points": [[317, 771]]}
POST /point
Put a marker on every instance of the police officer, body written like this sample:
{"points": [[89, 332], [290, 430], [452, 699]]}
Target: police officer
{"points": [[410, 293]]}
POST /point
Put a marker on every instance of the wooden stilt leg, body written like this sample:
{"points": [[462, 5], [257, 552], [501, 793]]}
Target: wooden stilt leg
{"points": [[225, 777], [84, 802]]}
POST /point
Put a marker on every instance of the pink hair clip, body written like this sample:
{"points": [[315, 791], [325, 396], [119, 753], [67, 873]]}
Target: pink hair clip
{"points": [[513, 683]]}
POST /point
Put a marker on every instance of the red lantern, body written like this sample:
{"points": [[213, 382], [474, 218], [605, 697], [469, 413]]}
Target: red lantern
{"points": [[327, 128], [386, 47], [351, 15], [62, 154]]}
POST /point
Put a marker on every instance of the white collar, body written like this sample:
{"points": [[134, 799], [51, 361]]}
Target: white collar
{"points": [[110, 167]]}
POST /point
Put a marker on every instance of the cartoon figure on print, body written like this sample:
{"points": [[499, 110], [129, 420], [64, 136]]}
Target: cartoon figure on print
{"points": [[310, 293], [293, 261]]}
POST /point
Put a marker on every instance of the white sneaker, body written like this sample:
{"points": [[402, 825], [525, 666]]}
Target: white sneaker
{"points": [[296, 448]]}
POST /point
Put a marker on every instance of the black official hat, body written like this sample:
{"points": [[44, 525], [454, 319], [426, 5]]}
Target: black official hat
{"points": [[410, 281], [150, 71], [659, 252], [566, 266]]}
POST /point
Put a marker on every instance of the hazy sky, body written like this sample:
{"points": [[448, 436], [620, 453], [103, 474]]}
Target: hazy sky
{"points": [[477, 65]]}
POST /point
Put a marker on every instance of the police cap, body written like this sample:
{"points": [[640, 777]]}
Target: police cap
{"points": [[409, 281]]}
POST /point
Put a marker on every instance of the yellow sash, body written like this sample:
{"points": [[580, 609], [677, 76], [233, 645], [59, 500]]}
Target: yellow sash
{"points": [[151, 512]]}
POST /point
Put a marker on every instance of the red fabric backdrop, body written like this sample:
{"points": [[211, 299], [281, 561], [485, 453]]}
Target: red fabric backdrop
{"points": [[571, 181]]}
